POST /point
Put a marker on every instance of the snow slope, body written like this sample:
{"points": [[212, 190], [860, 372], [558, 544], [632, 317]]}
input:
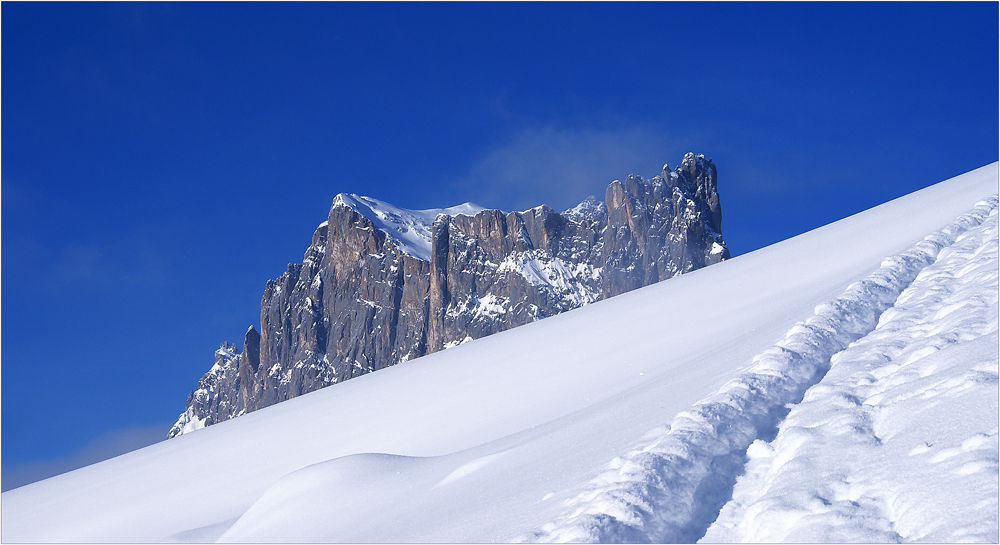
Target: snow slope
{"points": [[898, 442], [626, 419], [671, 487]]}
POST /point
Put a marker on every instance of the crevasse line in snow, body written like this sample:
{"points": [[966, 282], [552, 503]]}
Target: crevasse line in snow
{"points": [[671, 487]]}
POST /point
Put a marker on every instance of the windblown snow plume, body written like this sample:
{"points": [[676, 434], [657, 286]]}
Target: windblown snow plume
{"points": [[671, 487]]}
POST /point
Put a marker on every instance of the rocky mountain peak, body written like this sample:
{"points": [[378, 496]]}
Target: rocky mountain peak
{"points": [[380, 285]]}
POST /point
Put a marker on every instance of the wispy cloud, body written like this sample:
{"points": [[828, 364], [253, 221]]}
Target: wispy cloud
{"points": [[560, 167], [107, 445], [128, 262]]}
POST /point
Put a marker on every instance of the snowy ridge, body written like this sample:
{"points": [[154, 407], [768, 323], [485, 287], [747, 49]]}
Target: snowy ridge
{"points": [[671, 486], [890, 405], [590, 209], [409, 230]]}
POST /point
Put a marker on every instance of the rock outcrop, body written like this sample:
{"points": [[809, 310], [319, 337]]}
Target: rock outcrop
{"points": [[380, 285]]}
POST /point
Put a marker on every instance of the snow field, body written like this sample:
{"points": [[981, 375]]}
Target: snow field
{"points": [[499, 437], [671, 487], [898, 442]]}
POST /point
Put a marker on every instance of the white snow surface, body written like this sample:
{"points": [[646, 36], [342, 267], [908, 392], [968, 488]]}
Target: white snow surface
{"points": [[628, 419], [409, 230], [898, 442]]}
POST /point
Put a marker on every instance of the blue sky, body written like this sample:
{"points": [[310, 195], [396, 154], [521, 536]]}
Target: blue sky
{"points": [[161, 161]]}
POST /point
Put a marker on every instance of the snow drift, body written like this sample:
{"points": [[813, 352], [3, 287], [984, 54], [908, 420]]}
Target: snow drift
{"points": [[632, 419]]}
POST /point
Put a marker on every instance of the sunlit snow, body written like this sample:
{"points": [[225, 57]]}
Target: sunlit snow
{"points": [[898, 442], [409, 230], [840, 385]]}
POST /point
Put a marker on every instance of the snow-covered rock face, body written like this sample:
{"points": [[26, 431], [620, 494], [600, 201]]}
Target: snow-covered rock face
{"points": [[410, 230], [380, 284]]}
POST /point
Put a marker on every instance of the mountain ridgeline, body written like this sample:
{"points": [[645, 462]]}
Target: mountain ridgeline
{"points": [[380, 285]]}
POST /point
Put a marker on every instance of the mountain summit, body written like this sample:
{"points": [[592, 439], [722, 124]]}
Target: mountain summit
{"points": [[380, 285]]}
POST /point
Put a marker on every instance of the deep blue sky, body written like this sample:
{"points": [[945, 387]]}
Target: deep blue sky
{"points": [[162, 161]]}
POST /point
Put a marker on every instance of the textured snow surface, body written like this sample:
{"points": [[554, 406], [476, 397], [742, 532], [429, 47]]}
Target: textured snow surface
{"points": [[628, 419], [898, 442], [410, 230]]}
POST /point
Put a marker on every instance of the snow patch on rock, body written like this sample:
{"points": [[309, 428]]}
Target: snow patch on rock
{"points": [[409, 230], [563, 281]]}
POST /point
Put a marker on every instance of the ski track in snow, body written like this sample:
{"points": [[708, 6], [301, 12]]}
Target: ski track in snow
{"points": [[673, 484], [894, 444]]}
